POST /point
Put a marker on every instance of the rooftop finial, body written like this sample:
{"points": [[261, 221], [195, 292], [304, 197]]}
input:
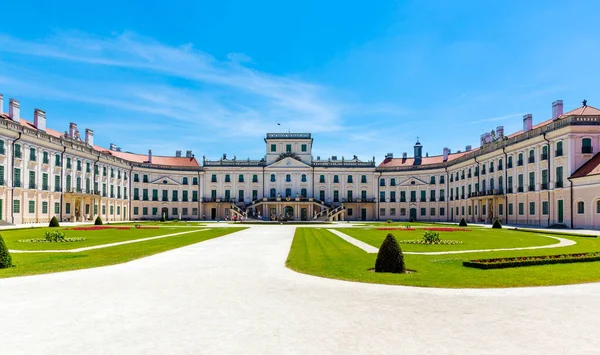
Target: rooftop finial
{"points": [[584, 102]]}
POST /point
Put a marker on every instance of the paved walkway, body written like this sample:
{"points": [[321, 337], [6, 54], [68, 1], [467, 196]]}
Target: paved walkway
{"points": [[233, 295], [562, 242], [102, 246]]}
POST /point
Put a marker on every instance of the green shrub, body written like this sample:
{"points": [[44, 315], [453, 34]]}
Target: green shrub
{"points": [[411, 220], [389, 221], [497, 224], [463, 223], [162, 218], [390, 257], [55, 236], [5, 259], [54, 222], [431, 237], [98, 221], [175, 220]]}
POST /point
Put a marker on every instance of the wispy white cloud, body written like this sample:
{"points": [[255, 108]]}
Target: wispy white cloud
{"points": [[499, 118]]}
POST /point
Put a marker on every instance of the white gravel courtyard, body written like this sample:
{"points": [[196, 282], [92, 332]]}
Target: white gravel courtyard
{"points": [[234, 295]]}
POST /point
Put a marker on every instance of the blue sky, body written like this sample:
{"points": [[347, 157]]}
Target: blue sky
{"points": [[365, 78]]}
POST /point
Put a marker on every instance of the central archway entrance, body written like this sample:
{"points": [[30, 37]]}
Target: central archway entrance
{"points": [[165, 213], [413, 214], [288, 212]]}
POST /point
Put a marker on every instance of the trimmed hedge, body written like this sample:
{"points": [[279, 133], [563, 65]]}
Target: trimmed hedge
{"points": [[98, 221], [497, 224], [463, 223], [5, 258], [502, 263], [390, 257], [54, 222]]}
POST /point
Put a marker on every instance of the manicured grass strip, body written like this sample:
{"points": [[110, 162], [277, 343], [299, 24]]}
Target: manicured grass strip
{"points": [[43, 263], [501, 263], [321, 253]]}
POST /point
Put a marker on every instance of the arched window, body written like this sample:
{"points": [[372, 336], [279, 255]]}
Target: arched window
{"points": [[509, 163], [195, 180], [288, 192], [185, 180], [273, 193], [559, 149], [254, 178], [288, 177], [500, 183], [580, 207], [303, 177], [241, 178], [393, 182], [227, 178], [272, 177], [303, 192], [213, 178], [483, 185], [363, 179], [382, 182], [531, 155], [491, 183], [349, 179], [520, 159], [598, 206], [545, 152], [586, 146]]}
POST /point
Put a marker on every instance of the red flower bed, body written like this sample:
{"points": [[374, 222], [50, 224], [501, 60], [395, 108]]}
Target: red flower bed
{"points": [[446, 229], [395, 229], [500, 263], [97, 228]]}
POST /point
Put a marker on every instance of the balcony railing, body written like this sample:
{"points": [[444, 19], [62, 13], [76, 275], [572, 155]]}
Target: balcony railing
{"points": [[520, 189], [558, 184], [531, 187], [531, 160], [45, 187], [32, 186], [413, 200], [509, 190], [587, 150], [392, 200], [509, 166], [442, 198], [423, 200], [402, 200], [520, 162], [17, 184], [545, 186], [558, 153], [136, 197], [544, 156]]}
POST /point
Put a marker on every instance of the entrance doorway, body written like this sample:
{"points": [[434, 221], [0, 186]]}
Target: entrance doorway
{"points": [[560, 211], [413, 214], [303, 214], [164, 213], [213, 214], [363, 214], [288, 212]]}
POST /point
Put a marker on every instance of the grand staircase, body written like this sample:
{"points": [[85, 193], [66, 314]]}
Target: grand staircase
{"points": [[328, 212]]}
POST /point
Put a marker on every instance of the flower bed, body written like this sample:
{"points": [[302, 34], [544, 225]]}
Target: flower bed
{"points": [[445, 229], [501, 263], [44, 240], [395, 229], [97, 228], [423, 241], [145, 227]]}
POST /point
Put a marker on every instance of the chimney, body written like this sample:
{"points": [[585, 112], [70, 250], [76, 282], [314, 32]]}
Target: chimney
{"points": [[427, 155], [1, 103], [389, 156], [527, 122], [150, 156], [112, 147], [404, 155], [178, 153], [188, 153], [39, 119], [89, 137], [557, 109], [446, 152], [468, 148], [499, 131], [72, 129], [14, 110]]}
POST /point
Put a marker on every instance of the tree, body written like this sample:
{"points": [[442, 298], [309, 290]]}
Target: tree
{"points": [[463, 223], [98, 221], [54, 222], [5, 259], [390, 257], [497, 224]]}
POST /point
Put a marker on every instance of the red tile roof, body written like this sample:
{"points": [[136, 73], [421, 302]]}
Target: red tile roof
{"points": [[582, 111], [591, 167], [396, 162], [136, 158]]}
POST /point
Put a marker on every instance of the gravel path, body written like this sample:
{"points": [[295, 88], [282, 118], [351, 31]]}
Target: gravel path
{"points": [[233, 295], [562, 242]]}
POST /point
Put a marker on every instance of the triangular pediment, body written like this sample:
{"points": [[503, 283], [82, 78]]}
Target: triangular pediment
{"points": [[288, 163], [413, 181], [165, 180]]}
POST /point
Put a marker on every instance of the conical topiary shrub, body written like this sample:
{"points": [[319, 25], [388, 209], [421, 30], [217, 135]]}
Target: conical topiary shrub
{"points": [[390, 257], [54, 222], [463, 223], [5, 259], [98, 221], [497, 224]]}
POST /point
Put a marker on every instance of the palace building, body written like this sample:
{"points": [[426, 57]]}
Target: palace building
{"points": [[545, 174]]}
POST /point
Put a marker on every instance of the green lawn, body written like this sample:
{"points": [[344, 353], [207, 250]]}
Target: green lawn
{"points": [[43, 263], [476, 239], [96, 237], [321, 253]]}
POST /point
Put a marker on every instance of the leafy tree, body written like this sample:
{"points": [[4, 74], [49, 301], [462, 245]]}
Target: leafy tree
{"points": [[5, 259], [54, 222], [390, 257], [98, 221], [463, 223]]}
